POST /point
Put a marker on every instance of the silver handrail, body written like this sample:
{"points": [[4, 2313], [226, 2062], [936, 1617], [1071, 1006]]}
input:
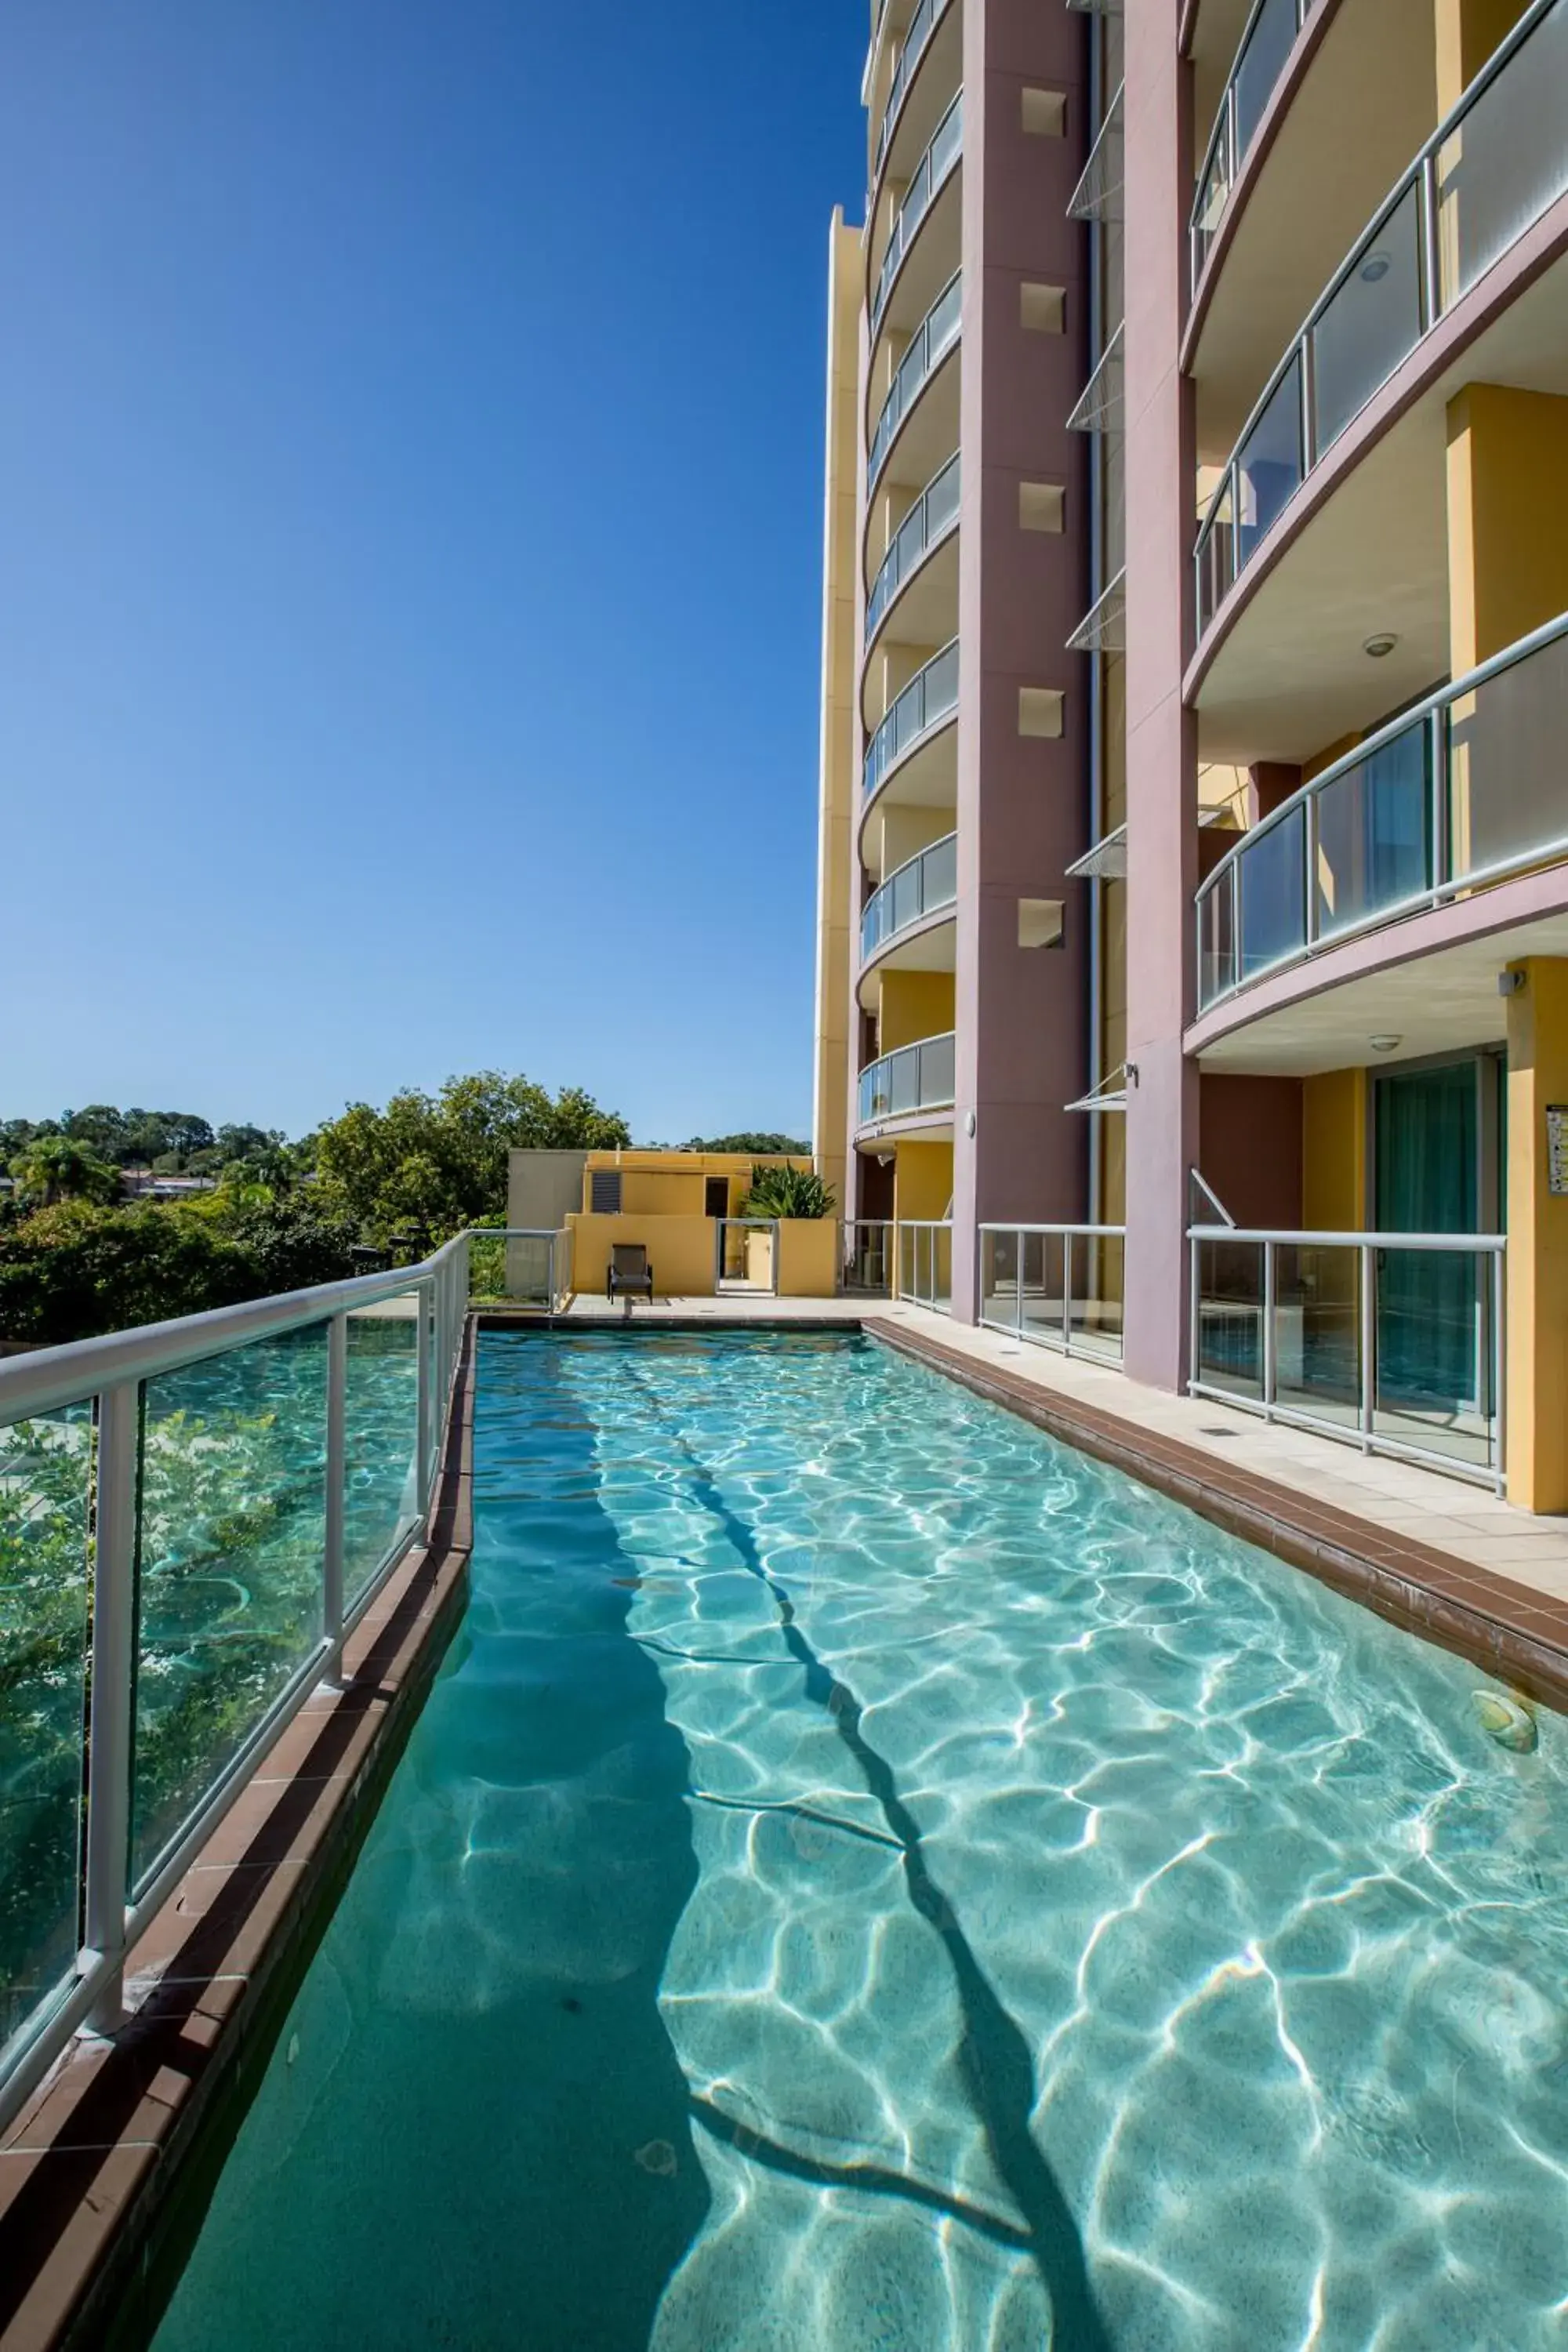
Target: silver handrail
{"points": [[1085, 1320], [1230, 141], [916, 888], [1222, 552], [932, 519], [1488, 1349], [1447, 823], [109, 1373], [932, 175], [928, 701], [917, 41], [929, 346]]}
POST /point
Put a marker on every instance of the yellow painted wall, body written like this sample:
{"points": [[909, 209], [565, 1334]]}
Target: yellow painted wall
{"points": [[837, 781], [675, 1183], [1333, 1152], [915, 1005], [680, 1250], [1508, 517], [922, 1179], [1537, 1438], [1467, 33]]}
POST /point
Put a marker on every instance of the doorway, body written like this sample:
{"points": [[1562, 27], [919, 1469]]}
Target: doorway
{"points": [[1436, 1154]]}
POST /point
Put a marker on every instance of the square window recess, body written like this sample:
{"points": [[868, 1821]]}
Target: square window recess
{"points": [[1046, 113], [1042, 309], [1042, 506], [1041, 923], [1041, 710]]}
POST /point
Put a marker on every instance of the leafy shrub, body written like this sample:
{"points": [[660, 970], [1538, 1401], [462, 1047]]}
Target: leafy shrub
{"points": [[787, 1192]]}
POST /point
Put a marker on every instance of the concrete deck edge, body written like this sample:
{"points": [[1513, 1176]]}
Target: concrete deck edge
{"points": [[1515, 1633], [107, 2172]]}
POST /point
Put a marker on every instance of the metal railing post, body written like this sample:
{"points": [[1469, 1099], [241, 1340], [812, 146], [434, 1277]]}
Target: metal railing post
{"points": [[1431, 262], [1499, 1369], [1267, 1369], [337, 1473], [111, 1729], [1194, 1333], [1368, 1339], [1442, 860], [1018, 1285], [1067, 1294]]}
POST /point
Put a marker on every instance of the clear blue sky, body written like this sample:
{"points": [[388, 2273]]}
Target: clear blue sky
{"points": [[410, 536]]}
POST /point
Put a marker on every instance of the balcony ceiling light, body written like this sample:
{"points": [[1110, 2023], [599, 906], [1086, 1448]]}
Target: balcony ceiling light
{"points": [[1380, 646], [1385, 1045]]}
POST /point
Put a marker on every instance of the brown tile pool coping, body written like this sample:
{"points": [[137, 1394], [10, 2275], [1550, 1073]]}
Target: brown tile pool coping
{"points": [[1512, 1630], [106, 2173]]}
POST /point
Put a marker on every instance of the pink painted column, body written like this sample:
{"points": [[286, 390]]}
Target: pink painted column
{"points": [[1162, 736], [1022, 800]]}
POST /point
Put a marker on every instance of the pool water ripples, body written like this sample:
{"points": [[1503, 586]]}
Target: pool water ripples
{"points": [[1000, 1909]]}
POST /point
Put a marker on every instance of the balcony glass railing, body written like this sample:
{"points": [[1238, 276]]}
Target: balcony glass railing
{"points": [[1466, 788], [1058, 1285], [925, 1263], [929, 346], [931, 517], [920, 887], [923, 25], [916, 1077], [931, 173], [1265, 47], [1490, 170], [928, 700], [1389, 1341]]}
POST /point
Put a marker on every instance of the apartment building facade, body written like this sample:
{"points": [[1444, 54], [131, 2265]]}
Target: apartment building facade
{"points": [[1193, 907]]}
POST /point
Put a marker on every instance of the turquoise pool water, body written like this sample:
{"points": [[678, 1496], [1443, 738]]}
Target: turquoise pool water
{"points": [[867, 1876]]}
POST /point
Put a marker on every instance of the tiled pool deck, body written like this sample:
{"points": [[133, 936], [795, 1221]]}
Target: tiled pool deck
{"points": [[86, 2224]]}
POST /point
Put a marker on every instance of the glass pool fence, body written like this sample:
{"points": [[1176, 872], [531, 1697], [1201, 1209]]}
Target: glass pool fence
{"points": [[1390, 1341], [1060, 1285], [194, 1515]]}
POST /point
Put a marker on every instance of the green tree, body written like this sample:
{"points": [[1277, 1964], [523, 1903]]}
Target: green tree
{"points": [[789, 1146], [429, 1165], [58, 1167]]}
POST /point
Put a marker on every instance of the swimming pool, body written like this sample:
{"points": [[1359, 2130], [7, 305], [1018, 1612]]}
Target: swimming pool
{"points": [[867, 1876]]}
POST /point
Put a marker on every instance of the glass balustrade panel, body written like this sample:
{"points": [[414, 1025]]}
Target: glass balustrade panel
{"points": [[232, 1534], [936, 1056], [1216, 940], [1216, 554], [1374, 835], [1506, 160], [908, 1238], [45, 1484], [940, 1239], [904, 1079], [1270, 463], [1044, 1276], [381, 1415], [940, 864], [999, 1280], [1096, 1294], [1230, 1316], [1317, 1331], [1370, 322], [942, 502], [1259, 67], [1508, 781], [941, 684], [1213, 196], [1433, 1385], [1271, 878]]}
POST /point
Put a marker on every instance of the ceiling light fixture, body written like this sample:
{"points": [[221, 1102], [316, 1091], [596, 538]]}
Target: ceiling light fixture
{"points": [[1380, 646], [1385, 1045]]}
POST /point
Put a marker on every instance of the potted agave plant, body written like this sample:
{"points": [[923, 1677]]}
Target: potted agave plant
{"points": [[782, 1192]]}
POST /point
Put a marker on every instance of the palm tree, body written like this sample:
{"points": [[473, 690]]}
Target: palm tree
{"points": [[56, 1168]]}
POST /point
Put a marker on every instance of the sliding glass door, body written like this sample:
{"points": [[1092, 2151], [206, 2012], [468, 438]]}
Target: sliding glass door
{"points": [[1433, 1160]]}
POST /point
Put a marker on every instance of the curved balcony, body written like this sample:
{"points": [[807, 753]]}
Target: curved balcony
{"points": [[1464, 791], [932, 175], [932, 519], [924, 886], [927, 702], [929, 345], [1267, 41], [903, 1085], [1497, 164], [911, 57]]}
